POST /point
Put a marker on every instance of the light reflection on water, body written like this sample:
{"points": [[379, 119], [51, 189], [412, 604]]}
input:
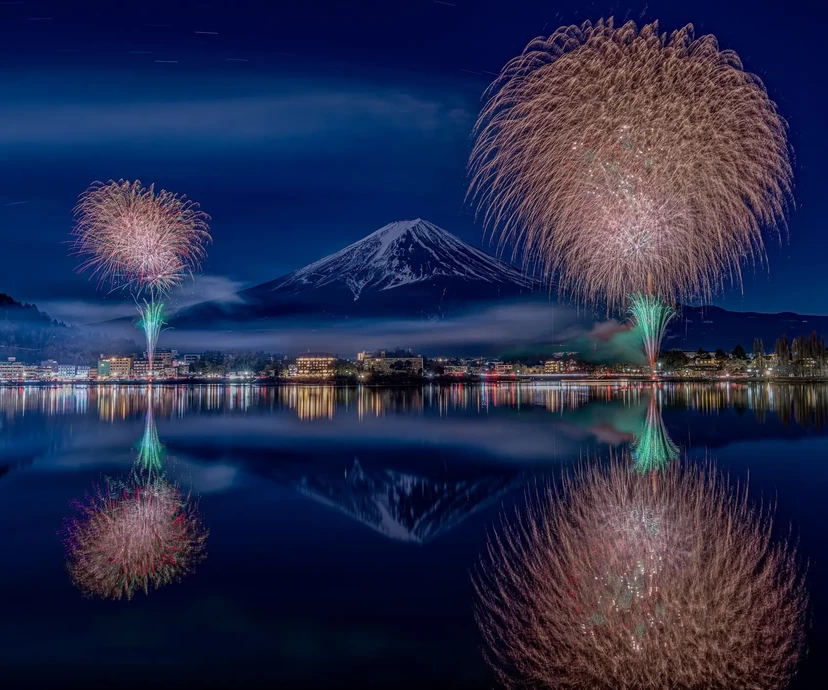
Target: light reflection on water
{"points": [[803, 404], [325, 485]]}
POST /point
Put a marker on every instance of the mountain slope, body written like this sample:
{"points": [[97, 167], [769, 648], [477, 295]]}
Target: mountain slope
{"points": [[401, 505], [401, 253], [406, 268]]}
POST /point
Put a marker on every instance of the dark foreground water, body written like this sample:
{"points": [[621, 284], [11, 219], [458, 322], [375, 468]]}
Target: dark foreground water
{"points": [[343, 523]]}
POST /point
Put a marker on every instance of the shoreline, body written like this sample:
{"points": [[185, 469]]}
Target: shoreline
{"points": [[443, 381]]}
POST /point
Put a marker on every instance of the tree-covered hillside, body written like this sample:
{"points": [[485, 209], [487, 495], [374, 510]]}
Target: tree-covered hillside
{"points": [[31, 335]]}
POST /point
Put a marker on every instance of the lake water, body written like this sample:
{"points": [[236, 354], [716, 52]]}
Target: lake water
{"points": [[343, 522]]}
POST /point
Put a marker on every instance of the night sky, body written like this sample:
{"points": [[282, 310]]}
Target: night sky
{"points": [[302, 126]]}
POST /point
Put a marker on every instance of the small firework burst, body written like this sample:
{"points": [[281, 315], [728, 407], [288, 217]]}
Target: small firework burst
{"points": [[615, 583], [132, 537], [130, 235]]}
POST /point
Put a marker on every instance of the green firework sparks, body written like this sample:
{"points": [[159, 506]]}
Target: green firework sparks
{"points": [[150, 449], [651, 316], [152, 321], [653, 449]]}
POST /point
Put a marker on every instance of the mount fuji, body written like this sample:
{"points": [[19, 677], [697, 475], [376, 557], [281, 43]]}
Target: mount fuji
{"points": [[406, 268]]}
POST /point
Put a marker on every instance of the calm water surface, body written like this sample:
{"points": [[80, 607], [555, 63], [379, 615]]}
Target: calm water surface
{"points": [[343, 523]]}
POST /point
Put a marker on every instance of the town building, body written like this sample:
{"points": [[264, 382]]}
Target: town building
{"points": [[393, 365], [66, 371], [190, 359], [553, 366], [12, 370], [455, 369], [315, 365], [162, 358], [502, 369], [115, 367]]}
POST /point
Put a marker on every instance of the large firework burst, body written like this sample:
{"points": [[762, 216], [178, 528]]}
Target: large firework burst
{"points": [[624, 161], [130, 537], [618, 584]]}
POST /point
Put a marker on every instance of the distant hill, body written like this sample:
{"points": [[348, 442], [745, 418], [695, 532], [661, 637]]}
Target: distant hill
{"points": [[32, 335], [712, 327]]}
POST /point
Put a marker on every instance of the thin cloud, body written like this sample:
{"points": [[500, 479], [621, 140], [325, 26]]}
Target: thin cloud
{"points": [[201, 288], [309, 114]]}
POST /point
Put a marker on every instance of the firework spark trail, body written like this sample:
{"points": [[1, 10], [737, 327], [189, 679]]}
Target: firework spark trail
{"points": [[133, 537], [651, 316], [151, 322], [151, 451], [622, 161], [653, 449], [612, 583]]}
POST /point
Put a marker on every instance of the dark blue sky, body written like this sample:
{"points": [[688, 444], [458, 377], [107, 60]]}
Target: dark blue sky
{"points": [[302, 126]]}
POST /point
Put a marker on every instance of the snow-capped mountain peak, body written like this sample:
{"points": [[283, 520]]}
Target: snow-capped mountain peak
{"points": [[410, 268], [403, 253]]}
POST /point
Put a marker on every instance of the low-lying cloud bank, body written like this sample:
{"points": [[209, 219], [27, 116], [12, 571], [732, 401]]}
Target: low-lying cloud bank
{"points": [[515, 329]]}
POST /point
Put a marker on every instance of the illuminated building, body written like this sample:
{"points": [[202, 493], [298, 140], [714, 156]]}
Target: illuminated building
{"points": [[66, 371], [12, 370], [315, 366], [552, 366], [115, 367], [162, 359], [455, 369]]}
